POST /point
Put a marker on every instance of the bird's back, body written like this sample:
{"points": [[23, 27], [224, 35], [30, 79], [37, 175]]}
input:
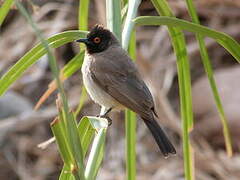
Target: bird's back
{"points": [[115, 73]]}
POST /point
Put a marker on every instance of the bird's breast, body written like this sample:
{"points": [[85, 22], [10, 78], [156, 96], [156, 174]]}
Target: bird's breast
{"points": [[96, 93]]}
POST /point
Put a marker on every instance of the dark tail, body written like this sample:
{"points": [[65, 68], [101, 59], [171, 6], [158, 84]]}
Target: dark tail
{"points": [[160, 137]]}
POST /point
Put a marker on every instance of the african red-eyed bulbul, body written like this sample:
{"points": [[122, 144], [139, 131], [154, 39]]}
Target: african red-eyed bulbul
{"points": [[113, 81]]}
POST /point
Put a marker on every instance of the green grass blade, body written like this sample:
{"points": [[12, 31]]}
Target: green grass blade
{"points": [[162, 7], [59, 134], [128, 26], [66, 174], [195, 18], [209, 71], [98, 123], [83, 15], [86, 132], [132, 46], [52, 60], [34, 54], [130, 125], [81, 101], [82, 25], [75, 145], [184, 79], [113, 12], [179, 46], [75, 64], [69, 69], [129, 43], [69, 121], [5, 9], [192, 11], [223, 39], [96, 154], [124, 2], [59, 130], [227, 42], [99, 160], [124, 12], [130, 128]]}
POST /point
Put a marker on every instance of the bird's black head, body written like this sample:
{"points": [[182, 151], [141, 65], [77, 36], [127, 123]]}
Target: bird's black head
{"points": [[98, 39]]}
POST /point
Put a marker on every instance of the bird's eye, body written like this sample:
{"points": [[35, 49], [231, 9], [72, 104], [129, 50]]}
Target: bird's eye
{"points": [[97, 40]]}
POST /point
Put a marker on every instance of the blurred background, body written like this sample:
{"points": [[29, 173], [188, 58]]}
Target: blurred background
{"points": [[22, 128]]}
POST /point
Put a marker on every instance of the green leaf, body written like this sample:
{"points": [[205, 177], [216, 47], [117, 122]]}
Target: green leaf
{"points": [[34, 54], [129, 42], [67, 123], [162, 7], [83, 15], [113, 15], [75, 64], [5, 9], [124, 12], [96, 155], [82, 25], [223, 39], [128, 26], [66, 174], [61, 139], [130, 128], [209, 71], [86, 132], [75, 144], [130, 125], [97, 122], [184, 79], [97, 150], [82, 99], [99, 159]]}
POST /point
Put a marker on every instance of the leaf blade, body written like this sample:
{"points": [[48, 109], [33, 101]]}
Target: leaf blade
{"points": [[33, 55]]}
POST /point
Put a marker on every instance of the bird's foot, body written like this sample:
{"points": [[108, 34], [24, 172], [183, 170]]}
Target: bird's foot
{"points": [[106, 117]]}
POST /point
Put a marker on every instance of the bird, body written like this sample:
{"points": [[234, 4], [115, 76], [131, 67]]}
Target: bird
{"points": [[113, 81]]}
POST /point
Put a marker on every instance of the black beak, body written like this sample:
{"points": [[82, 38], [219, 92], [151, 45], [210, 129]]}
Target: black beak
{"points": [[83, 40]]}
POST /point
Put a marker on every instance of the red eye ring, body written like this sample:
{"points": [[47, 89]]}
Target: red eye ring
{"points": [[97, 40]]}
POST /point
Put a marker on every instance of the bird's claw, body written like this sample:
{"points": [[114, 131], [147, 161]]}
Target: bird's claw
{"points": [[106, 117]]}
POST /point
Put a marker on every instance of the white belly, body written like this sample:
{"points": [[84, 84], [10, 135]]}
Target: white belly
{"points": [[96, 93]]}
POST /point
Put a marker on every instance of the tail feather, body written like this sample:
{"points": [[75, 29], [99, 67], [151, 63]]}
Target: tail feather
{"points": [[160, 137]]}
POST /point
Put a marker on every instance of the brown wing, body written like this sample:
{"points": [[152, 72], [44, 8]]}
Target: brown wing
{"points": [[119, 78]]}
